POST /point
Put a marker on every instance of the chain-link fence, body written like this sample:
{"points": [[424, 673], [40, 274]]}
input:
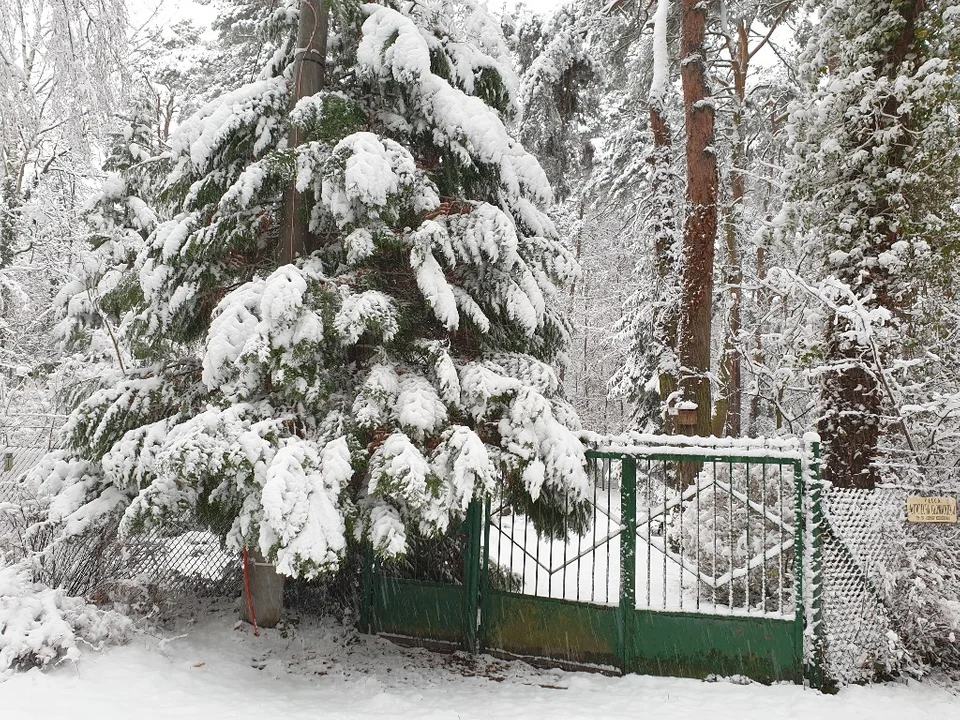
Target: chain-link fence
{"points": [[870, 570], [187, 559], [160, 564], [856, 557]]}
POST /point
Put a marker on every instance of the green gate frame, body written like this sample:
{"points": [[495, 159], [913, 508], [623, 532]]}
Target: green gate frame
{"points": [[474, 616], [429, 613]]}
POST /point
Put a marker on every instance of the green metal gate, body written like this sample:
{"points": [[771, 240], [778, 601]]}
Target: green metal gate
{"points": [[692, 565], [439, 612]]}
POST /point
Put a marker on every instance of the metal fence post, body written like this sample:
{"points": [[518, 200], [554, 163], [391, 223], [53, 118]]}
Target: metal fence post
{"points": [[799, 567], [366, 594], [471, 576], [815, 672], [484, 576], [628, 557]]}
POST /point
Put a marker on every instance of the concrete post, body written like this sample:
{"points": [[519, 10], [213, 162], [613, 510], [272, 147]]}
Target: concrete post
{"points": [[266, 589]]}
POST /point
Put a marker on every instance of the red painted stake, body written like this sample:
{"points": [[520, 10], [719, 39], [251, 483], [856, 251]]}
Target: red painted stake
{"points": [[246, 582]]}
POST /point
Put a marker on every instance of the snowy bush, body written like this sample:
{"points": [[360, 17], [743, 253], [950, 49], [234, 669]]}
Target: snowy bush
{"points": [[78, 562], [40, 626]]}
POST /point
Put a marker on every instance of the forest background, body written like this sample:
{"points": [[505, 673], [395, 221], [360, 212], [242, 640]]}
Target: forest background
{"points": [[784, 260], [753, 232]]}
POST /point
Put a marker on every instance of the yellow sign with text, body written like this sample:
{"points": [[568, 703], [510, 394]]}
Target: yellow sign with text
{"points": [[932, 509]]}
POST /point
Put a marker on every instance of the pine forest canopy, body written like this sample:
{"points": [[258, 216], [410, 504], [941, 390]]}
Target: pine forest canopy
{"points": [[397, 368], [324, 303]]}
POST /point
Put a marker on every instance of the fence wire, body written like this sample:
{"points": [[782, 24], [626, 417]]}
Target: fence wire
{"points": [[162, 563], [185, 560], [858, 554], [866, 564]]}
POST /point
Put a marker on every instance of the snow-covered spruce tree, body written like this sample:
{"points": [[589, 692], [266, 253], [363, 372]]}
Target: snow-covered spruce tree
{"points": [[874, 176], [556, 97], [399, 367]]}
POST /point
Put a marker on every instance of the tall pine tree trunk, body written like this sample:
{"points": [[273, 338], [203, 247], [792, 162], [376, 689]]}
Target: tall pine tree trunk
{"points": [[700, 227], [308, 79], [729, 411], [666, 212], [264, 583], [853, 391]]}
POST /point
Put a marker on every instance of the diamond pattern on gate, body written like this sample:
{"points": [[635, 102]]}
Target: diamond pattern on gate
{"points": [[688, 496]]}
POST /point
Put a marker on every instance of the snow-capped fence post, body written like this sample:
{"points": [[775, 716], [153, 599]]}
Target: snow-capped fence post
{"points": [[628, 556], [814, 657]]}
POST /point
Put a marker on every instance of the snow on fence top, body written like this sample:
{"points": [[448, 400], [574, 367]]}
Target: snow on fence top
{"points": [[642, 444]]}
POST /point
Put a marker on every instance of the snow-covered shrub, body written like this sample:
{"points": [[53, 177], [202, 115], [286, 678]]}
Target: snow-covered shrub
{"points": [[78, 562], [924, 600], [720, 535], [40, 625]]}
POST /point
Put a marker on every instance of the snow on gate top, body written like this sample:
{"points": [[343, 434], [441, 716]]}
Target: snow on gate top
{"points": [[642, 444]]}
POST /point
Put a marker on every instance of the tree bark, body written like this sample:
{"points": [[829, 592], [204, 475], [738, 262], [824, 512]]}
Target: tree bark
{"points": [[729, 415], [309, 78], [759, 301], [700, 227], [852, 392], [663, 250]]}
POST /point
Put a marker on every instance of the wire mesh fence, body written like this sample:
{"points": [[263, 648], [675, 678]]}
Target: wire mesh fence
{"points": [[869, 575], [857, 553], [170, 561], [185, 559]]}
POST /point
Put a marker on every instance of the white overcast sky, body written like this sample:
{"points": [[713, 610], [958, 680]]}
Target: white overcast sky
{"points": [[167, 10], [541, 6]]}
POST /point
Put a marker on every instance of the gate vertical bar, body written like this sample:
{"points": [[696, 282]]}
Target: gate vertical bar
{"points": [[366, 601], [814, 672], [471, 576], [485, 577], [628, 557]]}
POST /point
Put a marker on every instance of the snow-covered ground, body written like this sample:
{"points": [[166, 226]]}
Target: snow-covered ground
{"points": [[216, 669]]}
